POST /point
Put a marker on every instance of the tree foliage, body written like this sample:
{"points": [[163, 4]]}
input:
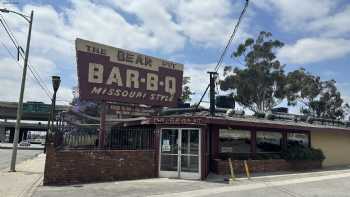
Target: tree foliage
{"points": [[260, 85], [186, 90], [320, 98]]}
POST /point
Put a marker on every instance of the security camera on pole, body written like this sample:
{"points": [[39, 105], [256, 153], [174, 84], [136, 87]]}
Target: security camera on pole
{"points": [[29, 19]]}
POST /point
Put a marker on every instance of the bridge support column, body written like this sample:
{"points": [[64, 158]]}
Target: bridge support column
{"points": [[2, 133], [12, 135], [22, 135], [25, 135]]}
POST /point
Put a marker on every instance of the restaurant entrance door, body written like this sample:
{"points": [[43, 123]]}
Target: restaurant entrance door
{"points": [[180, 153]]}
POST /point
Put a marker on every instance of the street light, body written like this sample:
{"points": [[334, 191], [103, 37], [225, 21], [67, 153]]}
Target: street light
{"points": [[56, 81], [29, 19]]}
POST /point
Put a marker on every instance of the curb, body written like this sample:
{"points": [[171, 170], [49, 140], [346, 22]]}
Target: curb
{"points": [[21, 148], [30, 191]]}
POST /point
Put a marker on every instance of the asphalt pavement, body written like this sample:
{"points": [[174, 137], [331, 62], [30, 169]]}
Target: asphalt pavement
{"points": [[22, 155]]}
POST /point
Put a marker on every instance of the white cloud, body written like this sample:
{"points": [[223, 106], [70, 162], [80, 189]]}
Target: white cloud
{"points": [[157, 21], [332, 25], [310, 50], [296, 14], [162, 26], [199, 78], [205, 22], [326, 18]]}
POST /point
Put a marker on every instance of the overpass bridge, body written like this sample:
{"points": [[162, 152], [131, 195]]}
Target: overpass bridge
{"points": [[8, 128], [32, 111]]}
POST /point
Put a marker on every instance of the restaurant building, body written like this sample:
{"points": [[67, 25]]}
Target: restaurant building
{"points": [[191, 146], [161, 141]]}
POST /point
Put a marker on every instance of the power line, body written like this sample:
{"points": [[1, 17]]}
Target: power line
{"points": [[8, 31], [20, 53], [34, 72], [232, 36], [218, 65], [34, 77]]}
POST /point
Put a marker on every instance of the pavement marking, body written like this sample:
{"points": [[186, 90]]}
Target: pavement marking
{"points": [[256, 185]]}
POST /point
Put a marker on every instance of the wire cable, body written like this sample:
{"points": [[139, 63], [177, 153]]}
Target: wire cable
{"points": [[232, 36], [218, 65], [34, 77], [20, 52], [8, 31]]}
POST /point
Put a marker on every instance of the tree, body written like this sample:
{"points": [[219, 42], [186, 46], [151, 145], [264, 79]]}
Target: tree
{"points": [[186, 90], [89, 107], [302, 87], [260, 85], [320, 98]]}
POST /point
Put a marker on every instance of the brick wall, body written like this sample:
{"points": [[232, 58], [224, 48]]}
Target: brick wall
{"points": [[83, 166], [222, 166]]}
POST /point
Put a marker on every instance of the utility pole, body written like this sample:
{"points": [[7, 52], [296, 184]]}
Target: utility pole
{"points": [[212, 76], [20, 101]]}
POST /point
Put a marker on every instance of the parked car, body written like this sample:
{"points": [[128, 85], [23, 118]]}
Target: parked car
{"points": [[24, 143]]}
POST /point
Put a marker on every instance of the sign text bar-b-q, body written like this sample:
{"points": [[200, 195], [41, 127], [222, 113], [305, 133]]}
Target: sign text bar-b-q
{"points": [[106, 73]]}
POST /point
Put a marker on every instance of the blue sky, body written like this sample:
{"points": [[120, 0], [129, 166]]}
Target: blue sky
{"points": [[316, 34]]}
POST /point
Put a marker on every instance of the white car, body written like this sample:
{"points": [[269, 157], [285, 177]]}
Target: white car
{"points": [[24, 143]]}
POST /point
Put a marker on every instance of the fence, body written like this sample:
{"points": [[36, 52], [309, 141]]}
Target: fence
{"points": [[119, 138], [123, 138], [76, 137]]}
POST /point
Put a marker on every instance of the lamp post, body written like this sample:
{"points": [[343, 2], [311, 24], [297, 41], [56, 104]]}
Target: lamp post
{"points": [[29, 19], [56, 81]]}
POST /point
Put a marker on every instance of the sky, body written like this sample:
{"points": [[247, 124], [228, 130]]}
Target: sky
{"points": [[316, 34]]}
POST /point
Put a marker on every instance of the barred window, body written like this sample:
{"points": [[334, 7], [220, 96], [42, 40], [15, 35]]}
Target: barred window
{"points": [[268, 142], [234, 141]]}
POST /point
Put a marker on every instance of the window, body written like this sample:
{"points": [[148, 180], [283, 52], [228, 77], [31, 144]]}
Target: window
{"points": [[268, 142], [234, 141], [298, 138], [123, 138]]}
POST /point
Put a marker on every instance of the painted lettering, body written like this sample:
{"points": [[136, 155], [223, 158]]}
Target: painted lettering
{"points": [[152, 82], [115, 77], [170, 85], [95, 73], [132, 76]]}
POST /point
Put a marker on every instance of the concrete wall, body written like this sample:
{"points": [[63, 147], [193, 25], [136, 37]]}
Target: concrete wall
{"points": [[334, 144]]}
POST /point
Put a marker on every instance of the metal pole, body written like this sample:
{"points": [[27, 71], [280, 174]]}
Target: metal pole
{"points": [[48, 127], [102, 134], [212, 92], [53, 115], [20, 102]]}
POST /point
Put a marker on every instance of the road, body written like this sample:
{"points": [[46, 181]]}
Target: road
{"points": [[321, 184], [5, 156]]}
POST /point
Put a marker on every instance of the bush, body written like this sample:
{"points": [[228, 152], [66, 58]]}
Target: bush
{"points": [[259, 115], [299, 152]]}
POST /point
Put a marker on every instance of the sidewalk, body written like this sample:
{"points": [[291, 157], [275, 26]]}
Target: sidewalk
{"points": [[31, 147], [23, 182], [300, 183]]}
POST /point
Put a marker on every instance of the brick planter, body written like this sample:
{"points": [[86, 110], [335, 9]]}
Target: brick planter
{"points": [[222, 166], [83, 166]]}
